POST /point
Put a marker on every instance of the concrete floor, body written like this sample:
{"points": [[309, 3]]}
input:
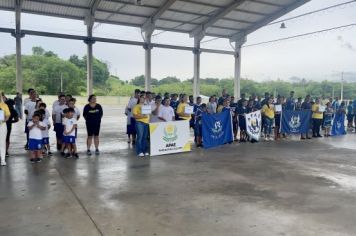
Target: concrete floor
{"points": [[270, 188]]}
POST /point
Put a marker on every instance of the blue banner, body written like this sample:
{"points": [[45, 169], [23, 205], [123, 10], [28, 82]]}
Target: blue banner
{"points": [[295, 122], [338, 125], [217, 129]]}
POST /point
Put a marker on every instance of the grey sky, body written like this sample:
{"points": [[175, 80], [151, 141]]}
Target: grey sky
{"points": [[317, 57]]}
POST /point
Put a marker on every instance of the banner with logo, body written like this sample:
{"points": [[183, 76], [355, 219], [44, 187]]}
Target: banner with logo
{"points": [[253, 125], [217, 129], [169, 137], [338, 125], [295, 122]]}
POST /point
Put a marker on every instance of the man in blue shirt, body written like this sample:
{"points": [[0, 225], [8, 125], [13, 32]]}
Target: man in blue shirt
{"points": [[290, 104]]}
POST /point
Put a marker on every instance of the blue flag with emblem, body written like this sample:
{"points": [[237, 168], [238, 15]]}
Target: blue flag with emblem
{"points": [[217, 129], [338, 125], [295, 122]]}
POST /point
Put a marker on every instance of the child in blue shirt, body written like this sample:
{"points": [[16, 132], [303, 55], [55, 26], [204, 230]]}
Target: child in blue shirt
{"points": [[198, 124]]}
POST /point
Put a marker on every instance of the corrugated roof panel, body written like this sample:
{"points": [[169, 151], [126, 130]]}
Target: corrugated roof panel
{"points": [[184, 17], [185, 6], [231, 24], [81, 3], [258, 7], [120, 18], [49, 8], [280, 2], [220, 3], [7, 3], [138, 10], [238, 15]]}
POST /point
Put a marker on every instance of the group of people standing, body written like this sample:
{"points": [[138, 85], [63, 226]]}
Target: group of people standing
{"points": [[170, 107], [39, 120]]}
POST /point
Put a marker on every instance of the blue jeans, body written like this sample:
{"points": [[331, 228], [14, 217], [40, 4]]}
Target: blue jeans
{"points": [[268, 125], [141, 138]]}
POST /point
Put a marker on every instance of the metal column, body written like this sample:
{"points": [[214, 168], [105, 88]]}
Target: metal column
{"points": [[196, 79], [237, 77], [148, 48], [89, 41], [18, 35]]}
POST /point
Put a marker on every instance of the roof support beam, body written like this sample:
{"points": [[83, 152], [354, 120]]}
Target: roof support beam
{"points": [[149, 25], [196, 79], [18, 35], [200, 30], [240, 35]]}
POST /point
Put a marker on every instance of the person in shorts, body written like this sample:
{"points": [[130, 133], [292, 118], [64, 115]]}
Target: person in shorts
{"points": [[35, 127], [70, 125]]}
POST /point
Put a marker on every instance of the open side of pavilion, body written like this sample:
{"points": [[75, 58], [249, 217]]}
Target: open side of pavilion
{"points": [[229, 19]]}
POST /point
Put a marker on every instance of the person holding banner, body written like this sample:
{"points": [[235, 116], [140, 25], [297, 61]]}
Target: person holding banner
{"points": [[142, 116], [350, 115], [306, 105], [277, 118], [241, 112], [198, 129], [317, 117], [268, 117], [328, 117], [184, 111], [166, 112]]}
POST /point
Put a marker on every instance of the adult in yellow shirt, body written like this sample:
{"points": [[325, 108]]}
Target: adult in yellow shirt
{"points": [[5, 114], [317, 118], [181, 109], [268, 117], [142, 128]]}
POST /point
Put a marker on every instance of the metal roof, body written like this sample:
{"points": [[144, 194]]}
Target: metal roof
{"points": [[218, 18]]}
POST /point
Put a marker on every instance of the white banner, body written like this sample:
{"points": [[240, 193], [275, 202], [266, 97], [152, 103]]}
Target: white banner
{"points": [[253, 125], [169, 137]]}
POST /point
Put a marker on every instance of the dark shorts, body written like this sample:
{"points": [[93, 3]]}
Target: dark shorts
{"points": [[277, 120], [45, 141], [131, 128], [93, 129], [198, 130], [350, 118], [69, 139], [34, 144], [59, 129], [242, 124], [9, 128]]}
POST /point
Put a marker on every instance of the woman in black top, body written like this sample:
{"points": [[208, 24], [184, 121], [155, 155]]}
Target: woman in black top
{"points": [[93, 113], [14, 117]]}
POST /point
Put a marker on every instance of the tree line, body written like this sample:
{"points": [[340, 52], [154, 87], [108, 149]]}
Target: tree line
{"points": [[43, 70]]}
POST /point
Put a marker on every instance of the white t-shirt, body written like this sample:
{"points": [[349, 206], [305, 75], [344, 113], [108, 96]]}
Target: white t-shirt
{"points": [[55, 103], [76, 113], [58, 111], [166, 113], [30, 107], [35, 132], [69, 123], [45, 133]]}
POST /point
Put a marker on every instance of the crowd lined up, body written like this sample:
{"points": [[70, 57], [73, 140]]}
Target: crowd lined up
{"points": [[145, 107], [171, 107]]}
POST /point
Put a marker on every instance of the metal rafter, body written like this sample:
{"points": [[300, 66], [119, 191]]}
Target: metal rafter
{"points": [[149, 25], [222, 13]]}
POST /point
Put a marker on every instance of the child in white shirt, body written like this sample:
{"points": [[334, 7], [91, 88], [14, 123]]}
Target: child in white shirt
{"points": [[35, 127], [70, 124]]}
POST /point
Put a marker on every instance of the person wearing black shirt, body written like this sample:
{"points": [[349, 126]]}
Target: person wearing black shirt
{"points": [[14, 117], [93, 113]]}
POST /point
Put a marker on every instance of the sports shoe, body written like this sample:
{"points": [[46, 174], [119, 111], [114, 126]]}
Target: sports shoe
{"points": [[89, 153], [97, 152], [63, 154], [271, 139], [147, 154], [7, 155], [49, 154], [26, 147], [67, 155], [76, 156], [141, 155], [38, 160], [33, 161], [3, 163]]}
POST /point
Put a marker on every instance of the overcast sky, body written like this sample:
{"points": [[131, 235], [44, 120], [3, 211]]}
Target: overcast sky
{"points": [[323, 56]]}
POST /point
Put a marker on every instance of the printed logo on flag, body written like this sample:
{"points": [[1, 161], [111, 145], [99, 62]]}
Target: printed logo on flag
{"points": [[295, 123], [217, 130], [254, 123]]}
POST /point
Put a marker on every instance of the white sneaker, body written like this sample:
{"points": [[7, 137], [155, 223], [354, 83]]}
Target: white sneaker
{"points": [[3, 163], [141, 155], [147, 154], [271, 139]]}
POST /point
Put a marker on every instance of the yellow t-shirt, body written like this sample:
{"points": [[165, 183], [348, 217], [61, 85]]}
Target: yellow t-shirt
{"points": [[220, 108], [6, 110], [181, 109], [316, 114], [268, 111], [137, 111]]}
